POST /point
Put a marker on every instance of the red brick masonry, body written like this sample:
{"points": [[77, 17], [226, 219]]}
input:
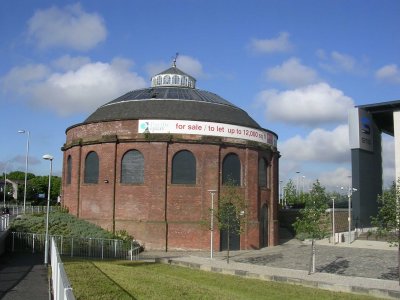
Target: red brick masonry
{"points": [[160, 214]]}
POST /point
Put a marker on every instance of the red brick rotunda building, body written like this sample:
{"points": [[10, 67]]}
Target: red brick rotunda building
{"points": [[146, 162]]}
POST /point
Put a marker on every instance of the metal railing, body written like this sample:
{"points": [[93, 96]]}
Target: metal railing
{"points": [[77, 246], [4, 222], [19, 209], [60, 284]]}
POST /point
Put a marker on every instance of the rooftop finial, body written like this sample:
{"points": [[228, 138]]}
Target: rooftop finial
{"points": [[174, 61]]}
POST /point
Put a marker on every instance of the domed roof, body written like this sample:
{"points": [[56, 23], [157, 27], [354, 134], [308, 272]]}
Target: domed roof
{"points": [[172, 96]]}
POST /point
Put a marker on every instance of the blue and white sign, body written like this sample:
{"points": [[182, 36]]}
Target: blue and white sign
{"points": [[361, 130]]}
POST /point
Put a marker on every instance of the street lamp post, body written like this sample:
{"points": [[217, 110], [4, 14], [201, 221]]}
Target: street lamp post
{"points": [[333, 220], [284, 201], [46, 245], [4, 187], [297, 186], [26, 162], [350, 192], [212, 222]]}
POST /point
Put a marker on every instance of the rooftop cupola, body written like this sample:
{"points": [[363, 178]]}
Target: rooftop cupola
{"points": [[173, 77]]}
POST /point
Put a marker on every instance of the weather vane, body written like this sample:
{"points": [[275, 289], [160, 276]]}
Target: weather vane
{"points": [[174, 61]]}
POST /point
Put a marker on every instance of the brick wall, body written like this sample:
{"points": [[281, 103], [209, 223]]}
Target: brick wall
{"points": [[288, 216], [160, 214]]}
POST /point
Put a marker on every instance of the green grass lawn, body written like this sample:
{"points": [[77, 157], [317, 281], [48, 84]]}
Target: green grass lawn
{"points": [[140, 280]]}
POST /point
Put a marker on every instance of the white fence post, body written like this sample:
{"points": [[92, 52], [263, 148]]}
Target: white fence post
{"points": [[4, 222], [81, 247], [61, 287]]}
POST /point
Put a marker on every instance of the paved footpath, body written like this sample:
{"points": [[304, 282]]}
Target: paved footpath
{"points": [[364, 267], [23, 276], [374, 261]]}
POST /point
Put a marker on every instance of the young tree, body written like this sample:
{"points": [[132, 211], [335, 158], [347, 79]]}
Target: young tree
{"points": [[313, 222], [290, 193], [387, 220], [231, 212]]}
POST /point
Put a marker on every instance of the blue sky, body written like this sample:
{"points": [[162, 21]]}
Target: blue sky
{"points": [[295, 66]]}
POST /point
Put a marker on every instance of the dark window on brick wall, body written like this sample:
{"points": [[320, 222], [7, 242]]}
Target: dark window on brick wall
{"points": [[262, 172], [69, 169], [184, 168], [231, 169], [91, 168], [132, 167]]}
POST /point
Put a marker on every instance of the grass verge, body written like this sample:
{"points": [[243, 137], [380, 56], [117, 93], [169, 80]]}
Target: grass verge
{"points": [[140, 280]]}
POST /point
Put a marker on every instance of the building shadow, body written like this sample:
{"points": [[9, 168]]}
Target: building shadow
{"points": [[262, 260], [393, 274], [338, 266]]}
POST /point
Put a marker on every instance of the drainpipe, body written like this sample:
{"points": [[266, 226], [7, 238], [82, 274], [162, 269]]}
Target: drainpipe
{"points": [[166, 197], [79, 181], [114, 183]]}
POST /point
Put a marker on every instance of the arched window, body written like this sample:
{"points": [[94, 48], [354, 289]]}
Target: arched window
{"points": [[231, 169], [91, 168], [167, 79], [132, 167], [184, 80], [69, 169], [262, 172], [159, 80], [184, 168], [175, 79]]}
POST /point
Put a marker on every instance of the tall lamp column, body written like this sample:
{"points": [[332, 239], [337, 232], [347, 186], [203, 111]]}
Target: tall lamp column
{"points": [[350, 192], [26, 162], [5, 186], [212, 222], [333, 220], [46, 245]]}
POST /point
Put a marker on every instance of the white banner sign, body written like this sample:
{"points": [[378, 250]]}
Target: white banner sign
{"points": [[207, 128]]}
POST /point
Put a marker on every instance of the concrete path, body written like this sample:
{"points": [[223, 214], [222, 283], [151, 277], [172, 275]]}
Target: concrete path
{"points": [[364, 267], [23, 276]]}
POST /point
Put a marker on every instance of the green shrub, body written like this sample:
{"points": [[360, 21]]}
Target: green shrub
{"points": [[61, 223]]}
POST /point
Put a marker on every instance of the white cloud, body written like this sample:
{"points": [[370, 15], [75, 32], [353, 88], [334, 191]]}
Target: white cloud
{"points": [[325, 155], [338, 62], [343, 61], [20, 160], [292, 73], [279, 44], [190, 65], [306, 106], [389, 73], [66, 27], [75, 91], [321, 54], [319, 145], [156, 67], [68, 62], [21, 79], [335, 179]]}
